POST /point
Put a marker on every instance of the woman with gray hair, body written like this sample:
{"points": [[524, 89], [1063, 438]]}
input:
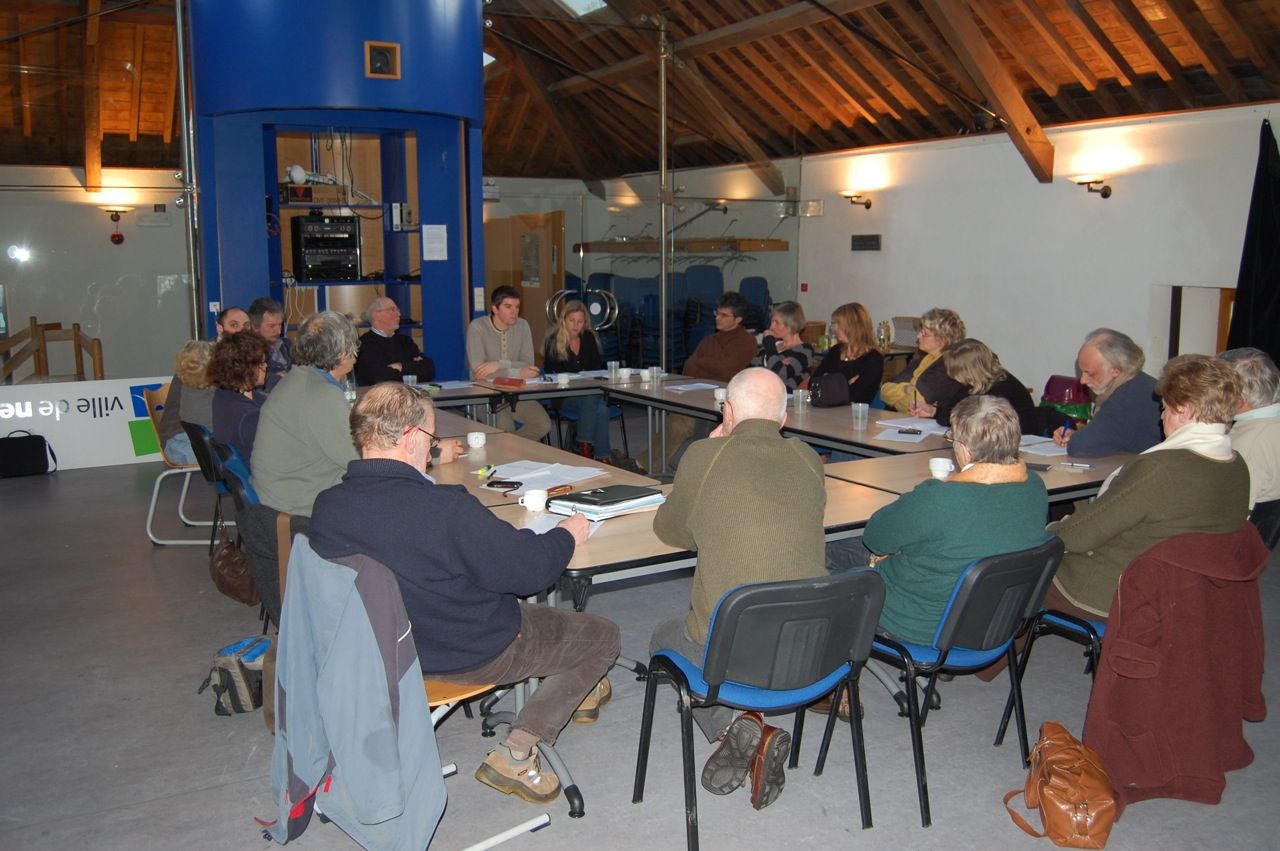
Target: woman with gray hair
{"points": [[921, 543], [924, 378], [1256, 432], [782, 350]]}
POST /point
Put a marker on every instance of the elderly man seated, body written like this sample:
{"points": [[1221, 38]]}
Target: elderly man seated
{"points": [[1126, 412], [750, 502], [386, 354], [1256, 431], [460, 570]]}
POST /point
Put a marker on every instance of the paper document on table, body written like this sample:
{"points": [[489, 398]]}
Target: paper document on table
{"points": [[454, 385], [544, 523], [697, 385], [898, 437], [1033, 439], [573, 376], [1048, 449], [925, 424], [535, 474], [594, 373]]}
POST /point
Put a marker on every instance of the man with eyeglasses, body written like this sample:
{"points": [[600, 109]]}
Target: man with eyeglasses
{"points": [[385, 353], [461, 570], [720, 357]]}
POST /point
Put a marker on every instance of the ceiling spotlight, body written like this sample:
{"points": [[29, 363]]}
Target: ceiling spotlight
{"points": [[1094, 183], [19, 253], [856, 197]]}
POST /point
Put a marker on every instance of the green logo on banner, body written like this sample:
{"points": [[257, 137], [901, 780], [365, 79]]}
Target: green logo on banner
{"points": [[144, 438]]}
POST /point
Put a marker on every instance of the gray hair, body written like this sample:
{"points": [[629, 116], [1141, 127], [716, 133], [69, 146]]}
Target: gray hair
{"points": [[1259, 378], [988, 427], [260, 308], [377, 304], [757, 393], [791, 314], [324, 338], [943, 323], [1117, 349]]}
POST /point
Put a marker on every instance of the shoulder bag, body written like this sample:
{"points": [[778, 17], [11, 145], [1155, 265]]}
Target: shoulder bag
{"points": [[829, 391], [1069, 785], [25, 454], [229, 569]]}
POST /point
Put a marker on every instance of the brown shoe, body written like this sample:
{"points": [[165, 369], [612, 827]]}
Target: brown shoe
{"points": [[726, 769], [769, 766], [823, 707], [524, 777], [589, 710], [586, 450]]}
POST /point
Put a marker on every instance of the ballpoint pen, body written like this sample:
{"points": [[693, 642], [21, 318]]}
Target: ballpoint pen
{"points": [[1067, 427], [1077, 465]]}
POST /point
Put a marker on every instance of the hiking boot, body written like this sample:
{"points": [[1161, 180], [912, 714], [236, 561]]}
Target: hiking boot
{"points": [[769, 766], [523, 777], [589, 710], [726, 769], [622, 461], [823, 707]]}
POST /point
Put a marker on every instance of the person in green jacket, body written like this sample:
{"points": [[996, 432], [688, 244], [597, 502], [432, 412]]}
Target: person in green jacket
{"points": [[922, 543]]}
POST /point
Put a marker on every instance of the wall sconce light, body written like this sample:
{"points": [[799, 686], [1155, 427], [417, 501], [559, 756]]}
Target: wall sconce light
{"points": [[856, 197], [1094, 183], [117, 237]]}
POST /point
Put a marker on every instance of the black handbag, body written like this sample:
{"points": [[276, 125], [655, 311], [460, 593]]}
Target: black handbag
{"points": [[829, 391], [25, 454]]}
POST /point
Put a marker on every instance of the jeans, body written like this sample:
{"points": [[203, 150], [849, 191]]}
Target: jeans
{"points": [[847, 554], [571, 651], [674, 635], [534, 422], [178, 449], [593, 421]]}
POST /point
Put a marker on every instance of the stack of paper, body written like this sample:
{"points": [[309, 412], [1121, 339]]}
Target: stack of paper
{"points": [[606, 502], [538, 475]]}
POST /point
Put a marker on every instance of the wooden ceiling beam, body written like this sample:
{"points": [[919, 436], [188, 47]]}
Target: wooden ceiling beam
{"points": [[886, 70], [843, 67], [1253, 49], [1186, 17], [171, 90], [135, 83], [845, 59], [817, 66], [887, 34], [1169, 69], [991, 17], [792, 17], [1040, 22], [92, 103], [945, 55], [531, 154], [955, 21], [1097, 39]]}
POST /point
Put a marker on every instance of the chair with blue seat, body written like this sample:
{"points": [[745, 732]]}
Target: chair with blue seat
{"points": [[202, 447], [563, 415], [992, 602], [1087, 633], [773, 647]]}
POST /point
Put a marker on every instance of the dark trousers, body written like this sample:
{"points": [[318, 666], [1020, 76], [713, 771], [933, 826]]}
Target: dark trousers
{"points": [[674, 635], [570, 651]]}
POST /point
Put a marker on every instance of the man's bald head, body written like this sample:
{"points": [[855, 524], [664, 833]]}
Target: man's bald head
{"points": [[758, 394]]}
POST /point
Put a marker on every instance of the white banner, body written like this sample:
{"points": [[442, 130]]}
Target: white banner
{"points": [[87, 423]]}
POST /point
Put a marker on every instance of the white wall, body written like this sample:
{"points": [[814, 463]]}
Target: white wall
{"points": [[133, 296], [1030, 267]]}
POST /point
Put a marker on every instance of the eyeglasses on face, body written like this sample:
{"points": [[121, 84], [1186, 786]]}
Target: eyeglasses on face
{"points": [[435, 441]]}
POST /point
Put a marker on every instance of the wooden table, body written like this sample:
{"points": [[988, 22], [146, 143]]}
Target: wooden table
{"points": [[833, 428], [449, 424], [503, 448], [626, 547], [899, 474]]}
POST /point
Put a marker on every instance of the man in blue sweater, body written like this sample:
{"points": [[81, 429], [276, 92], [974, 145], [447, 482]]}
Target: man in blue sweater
{"points": [[1126, 410], [461, 571]]}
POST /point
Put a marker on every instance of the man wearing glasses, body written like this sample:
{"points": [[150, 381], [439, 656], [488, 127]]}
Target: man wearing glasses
{"points": [[385, 353], [461, 570]]}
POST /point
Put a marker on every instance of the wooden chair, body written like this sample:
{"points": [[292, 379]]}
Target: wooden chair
{"points": [[155, 400]]}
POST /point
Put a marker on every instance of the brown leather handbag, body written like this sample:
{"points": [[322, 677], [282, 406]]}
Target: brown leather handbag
{"points": [[229, 569], [1070, 787]]}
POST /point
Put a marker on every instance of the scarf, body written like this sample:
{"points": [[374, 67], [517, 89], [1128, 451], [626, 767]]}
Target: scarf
{"points": [[1207, 439]]}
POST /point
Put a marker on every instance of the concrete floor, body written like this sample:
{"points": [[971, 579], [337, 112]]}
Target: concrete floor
{"points": [[105, 744]]}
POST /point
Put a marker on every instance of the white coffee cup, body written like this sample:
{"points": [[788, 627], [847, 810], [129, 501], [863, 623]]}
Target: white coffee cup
{"points": [[475, 439], [721, 394], [940, 468], [861, 412], [562, 379], [534, 500], [624, 372], [411, 380]]}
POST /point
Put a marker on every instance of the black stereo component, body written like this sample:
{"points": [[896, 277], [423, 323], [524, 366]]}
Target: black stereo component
{"points": [[326, 248]]}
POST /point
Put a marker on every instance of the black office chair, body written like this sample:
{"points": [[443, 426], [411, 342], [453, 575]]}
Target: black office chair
{"points": [[1266, 517], [772, 647], [202, 446], [992, 602]]}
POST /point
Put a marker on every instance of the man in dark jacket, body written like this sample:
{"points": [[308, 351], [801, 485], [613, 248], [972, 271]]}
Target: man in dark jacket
{"points": [[460, 570], [386, 354]]}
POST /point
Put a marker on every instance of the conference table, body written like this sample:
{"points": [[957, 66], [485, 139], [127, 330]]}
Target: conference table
{"points": [[449, 424]]}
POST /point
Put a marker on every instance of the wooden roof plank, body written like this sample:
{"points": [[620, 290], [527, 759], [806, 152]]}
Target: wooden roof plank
{"points": [[958, 27], [1191, 23], [818, 66], [1103, 46], [1252, 48], [1169, 69], [92, 104], [135, 92], [847, 60], [887, 34], [1028, 63], [885, 72], [1040, 22], [759, 160]]}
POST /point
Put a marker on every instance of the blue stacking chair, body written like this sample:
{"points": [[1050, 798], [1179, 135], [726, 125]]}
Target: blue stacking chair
{"points": [[561, 415], [202, 446], [994, 599], [773, 647], [1087, 633]]}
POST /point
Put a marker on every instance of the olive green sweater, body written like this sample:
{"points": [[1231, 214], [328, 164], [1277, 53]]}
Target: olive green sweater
{"points": [[751, 505], [1154, 498]]}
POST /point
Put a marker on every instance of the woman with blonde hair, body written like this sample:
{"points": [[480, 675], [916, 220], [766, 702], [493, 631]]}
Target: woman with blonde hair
{"points": [[925, 377], [977, 372], [190, 400], [855, 355], [572, 346]]}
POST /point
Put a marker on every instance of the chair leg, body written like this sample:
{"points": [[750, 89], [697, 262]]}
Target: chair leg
{"points": [[797, 730], [917, 746], [622, 421], [690, 785], [1023, 659], [827, 731], [182, 506], [1018, 709], [859, 748], [646, 731], [151, 511], [217, 515]]}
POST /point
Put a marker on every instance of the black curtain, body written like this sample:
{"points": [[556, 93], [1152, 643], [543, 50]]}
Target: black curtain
{"points": [[1255, 320]]}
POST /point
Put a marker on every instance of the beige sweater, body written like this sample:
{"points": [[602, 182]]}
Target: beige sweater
{"points": [[751, 505]]}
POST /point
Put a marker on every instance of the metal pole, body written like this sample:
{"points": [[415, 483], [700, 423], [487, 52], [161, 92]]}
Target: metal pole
{"points": [[188, 174], [664, 197]]}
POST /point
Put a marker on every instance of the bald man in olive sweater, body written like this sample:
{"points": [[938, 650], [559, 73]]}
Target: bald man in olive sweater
{"points": [[750, 502]]}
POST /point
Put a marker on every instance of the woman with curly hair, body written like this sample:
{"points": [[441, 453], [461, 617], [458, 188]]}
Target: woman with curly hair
{"points": [[190, 400], [237, 368], [924, 378]]}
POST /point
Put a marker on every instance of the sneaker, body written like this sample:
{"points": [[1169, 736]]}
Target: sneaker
{"points": [[589, 710], [524, 777], [769, 766], [727, 768]]}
